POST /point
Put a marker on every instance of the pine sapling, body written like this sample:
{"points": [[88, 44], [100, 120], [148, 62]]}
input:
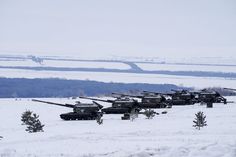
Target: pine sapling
{"points": [[133, 114], [200, 120], [99, 119], [26, 116], [149, 113], [31, 120]]}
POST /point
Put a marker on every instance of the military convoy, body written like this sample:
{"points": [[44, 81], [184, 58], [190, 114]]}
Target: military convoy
{"points": [[127, 104]]}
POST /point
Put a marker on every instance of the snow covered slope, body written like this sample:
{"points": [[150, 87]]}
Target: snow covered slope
{"points": [[166, 135]]}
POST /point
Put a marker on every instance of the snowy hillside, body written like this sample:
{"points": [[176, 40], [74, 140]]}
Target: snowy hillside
{"points": [[166, 135]]}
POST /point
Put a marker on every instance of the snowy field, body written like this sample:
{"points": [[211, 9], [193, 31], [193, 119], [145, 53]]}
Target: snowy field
{"points": [[166, 135], [67, 64], [187, 81], [118, 65], [176, 67]]}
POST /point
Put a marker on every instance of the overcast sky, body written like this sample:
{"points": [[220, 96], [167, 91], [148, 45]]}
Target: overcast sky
{"points": [[157, 28]]}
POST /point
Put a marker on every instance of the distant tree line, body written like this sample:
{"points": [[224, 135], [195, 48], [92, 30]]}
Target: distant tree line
{"points": [[28, 88]]}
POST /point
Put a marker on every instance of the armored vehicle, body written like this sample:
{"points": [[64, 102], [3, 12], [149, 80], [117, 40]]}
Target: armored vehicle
{"points": [[119, 105], [182, 97], [148, 100], [80, 111], [209, 96]]}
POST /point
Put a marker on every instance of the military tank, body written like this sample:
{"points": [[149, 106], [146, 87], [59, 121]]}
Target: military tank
{"points": [[120, 105], [177, 97], [148, 100], [81, 111], [183, 97], [209, 96]]}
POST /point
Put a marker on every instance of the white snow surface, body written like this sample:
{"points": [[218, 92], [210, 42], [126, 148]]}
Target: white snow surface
{"points": [[176, 67], [67, 64], [80, 64], [166, 135]]}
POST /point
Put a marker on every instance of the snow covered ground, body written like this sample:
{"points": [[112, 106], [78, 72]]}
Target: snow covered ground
{"points": [[176, 67], [222, 60], [166, 135], [62, 63]]}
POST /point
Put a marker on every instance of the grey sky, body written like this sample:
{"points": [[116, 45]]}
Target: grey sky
{"points": [[118, 27]]}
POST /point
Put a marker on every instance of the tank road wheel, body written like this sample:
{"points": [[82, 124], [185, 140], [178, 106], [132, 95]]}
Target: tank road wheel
{"points": [[73, 118], [66, 119]]}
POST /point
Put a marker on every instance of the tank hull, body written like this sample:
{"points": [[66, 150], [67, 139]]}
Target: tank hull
{"points": [[153, 105], [79, 116], [113, 110]]}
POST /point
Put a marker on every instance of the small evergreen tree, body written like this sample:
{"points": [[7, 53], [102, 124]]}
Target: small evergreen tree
{"points": [[26, 116], [133, 114], [31, 120], [99, 119], [149, 113], [200, 120]]}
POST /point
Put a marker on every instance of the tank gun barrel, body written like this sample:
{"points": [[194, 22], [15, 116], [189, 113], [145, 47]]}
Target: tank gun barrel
{"points": [[180, 91], [127, 95], [98, 105], [52, 103], [152, 92], [230, 89], [94, 99], [175, 90], [158, 93]]}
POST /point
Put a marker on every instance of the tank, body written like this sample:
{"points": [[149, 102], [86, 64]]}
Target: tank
{"points": [[118, 106], [80, 111], [182, 97], [148, 100], [210, 96]]}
